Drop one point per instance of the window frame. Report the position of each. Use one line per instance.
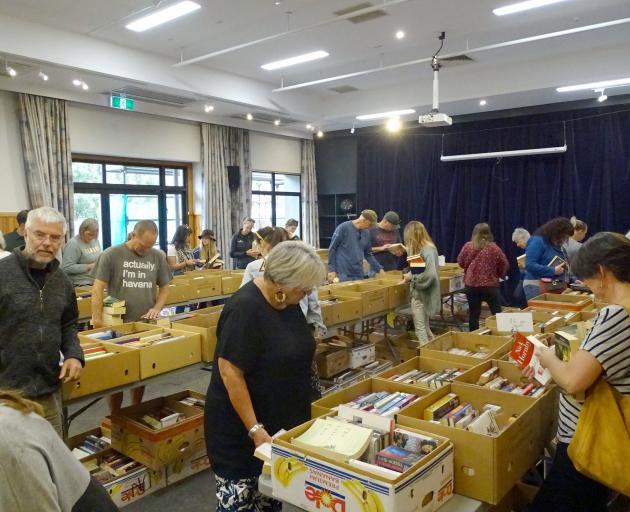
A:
(161, 190)
(273, 194)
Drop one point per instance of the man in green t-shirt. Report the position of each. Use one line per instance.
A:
(132, 272)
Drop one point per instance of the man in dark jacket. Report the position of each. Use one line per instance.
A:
(15, 239)
(38, 316)
(241, 248)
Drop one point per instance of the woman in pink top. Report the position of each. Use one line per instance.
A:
(484, 263)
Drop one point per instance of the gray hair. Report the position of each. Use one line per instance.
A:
(520, 234)
(88, 225)
(3, 244)
(46, 215)
(294, 265)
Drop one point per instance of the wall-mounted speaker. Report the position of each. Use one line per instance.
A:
(234, 176)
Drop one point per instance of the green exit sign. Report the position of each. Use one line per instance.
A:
(121, 103)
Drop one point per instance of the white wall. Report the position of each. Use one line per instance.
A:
(273, 153)
(13, 194)
(98, 131)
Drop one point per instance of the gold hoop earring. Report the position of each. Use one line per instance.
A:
(280, 297)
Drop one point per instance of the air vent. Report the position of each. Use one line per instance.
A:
(154, 97)
(361, 18)
(264, 117)
(343, 89)
(456, 60)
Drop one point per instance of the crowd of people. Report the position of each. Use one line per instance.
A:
(271, 322)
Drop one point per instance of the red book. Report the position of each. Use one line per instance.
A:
(524, 354)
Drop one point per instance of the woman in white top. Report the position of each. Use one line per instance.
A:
(603, 264)
(3, 253)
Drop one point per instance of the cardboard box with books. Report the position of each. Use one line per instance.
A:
(424, 372)
(383, 398)
(331, 360)
(126, 480)
(204, 285)
(338, 310)
(179, 290)
(108, 333)
(230, 283)
(542, 320)
(451, 280)
(561, 302)
(499, 438)
(206, 326)
(374, 297)
(582, 316)
(397, 293)
(107, 366)
(89, 443)
(159, 432)
(466, 348)
(186, 466)
(324, 464)
(161, 349)
(84, 301)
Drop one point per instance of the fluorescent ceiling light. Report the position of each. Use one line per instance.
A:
(292, 61)
(383, 115)
(606, 84)
(400, 34)
(163, 16)
(504, 154)
(483, 103)
(523, 6)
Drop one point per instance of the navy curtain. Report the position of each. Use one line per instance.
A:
(591, 180)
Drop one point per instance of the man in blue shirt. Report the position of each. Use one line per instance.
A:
(350, 244)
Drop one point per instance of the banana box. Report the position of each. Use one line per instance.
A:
(374, 297)
(316, 483)
(156, 448)
(206, 326)
(544, 321)
(557, 301)
(466, 347)
(185, 467)
(397, 292)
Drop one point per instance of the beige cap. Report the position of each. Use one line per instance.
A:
(370, 215)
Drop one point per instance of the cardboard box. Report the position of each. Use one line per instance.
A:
(84, 301)
(164, 357)
(74, 441)
(421, 363)
(361, 354)
(317, 482)
(451, 281)
(325, 404)
(397, 294)
(374, 298)
(403, 347)
(204, 285)
(179, 290)
(331, 360)
(492, 346)
(487, 467)
(123, 367)
(582, 316)
(544, 321)
(156, 448)
(344, 310)
(186, 467)
(206, 326)
(208, 310)
(560, 302)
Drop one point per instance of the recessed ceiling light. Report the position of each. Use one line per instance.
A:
(393, 125)
(84, 86)
(595, 85)
(523, 6)
(12, 72)
(400, 34)
(277, 122)
(292, 61)
(384, 115)
(277, 3)
(249, 116)
(43, 76)
(483, 103)
(309, 126)
(163, 16)
(320, 134)
(208, 108)
(76, 82)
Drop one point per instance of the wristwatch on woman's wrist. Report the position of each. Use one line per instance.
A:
(254, 429)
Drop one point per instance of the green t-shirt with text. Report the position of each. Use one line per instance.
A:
(133, 278)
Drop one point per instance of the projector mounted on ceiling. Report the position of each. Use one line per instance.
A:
(435, 117)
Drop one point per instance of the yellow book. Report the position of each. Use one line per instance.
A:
(442, 407)
(335, 439)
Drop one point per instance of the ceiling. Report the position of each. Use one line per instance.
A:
(66, 37)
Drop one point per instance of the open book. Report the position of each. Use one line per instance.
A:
(335, 439)
(394, 248)
(213, 262)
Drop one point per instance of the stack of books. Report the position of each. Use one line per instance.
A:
(147, 341)
(95, 353)
(113, 311)
(383, 403)
(193, 402)
(468, 353)
(451, 412)
(492, 380)
(91, 445)
(161, 418)
(105, 335)
(432, 380)
(112, 467)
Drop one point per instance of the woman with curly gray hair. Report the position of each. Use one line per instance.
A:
(261, 378)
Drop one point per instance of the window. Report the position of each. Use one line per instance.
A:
(275, 199)
(118, 195)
